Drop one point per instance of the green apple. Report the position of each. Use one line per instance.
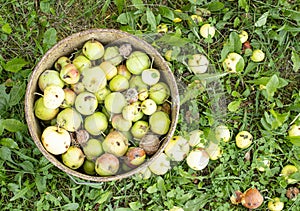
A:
(222, 133)
(213, 150)
(107, 165)
(73, 157)
(96, 123)
(78, 87)
(197, 159)
(118, 83)
(137, 62)
(207, 30)
(121, 124)
(243, 139)
(109, 69)
(69, 119)
(101, 94)
(61, 61)
(139, 129)
(287, 171)
(69, 100)
(113, 55)
(275, 204)
(93, 79)
(159, 92)
(89, 167)
(122, 70)
(115, 102)
(160, 165)
(294, 130)
(198, 63)
(257, 55)
(177, 149)
(139, 115)
(81, 62)
(93, 49)
(92, 149)
(42, 112)
(53, 96)
(86, 103)
(143, 94)
(243, 36)
(115, 143)
(159, 123)
(135, 156)
(148, 106)
(69, 74)
(150, 76)
(50, 77)
(234, 62)
(56, 140)
(129, 112)
(196, 139)
(137, 82)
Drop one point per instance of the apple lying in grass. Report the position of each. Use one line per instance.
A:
(196, 139)
(69, 74)
(234, 62)
(42, 112)
(73, 157)
(115, 143)
(69, 119)
(93, 49)
(243, 35)
(50, 77)
(197, 159)
(243, 139)
(198, 63)
(207, 30)
(56, 140)
(275, 204)
(93, 79)
(213, 150)
(222, 133)
(96, 123)
(107, 165)
(294, 130)
(287, 171)
(92, 149)
(257, 55)
(53, 96)
(177, 149)
(160, 165)
(137, 62)
(144, 173)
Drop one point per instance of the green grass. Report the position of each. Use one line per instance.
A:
(29, 28)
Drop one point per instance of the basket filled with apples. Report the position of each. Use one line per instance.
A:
(102, 105)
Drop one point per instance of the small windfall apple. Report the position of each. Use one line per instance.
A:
(160, 165)
(73, 157)
(115, 143)
(234, 62)
(96, 123)
(107, 165)
(50, 77)
(86, 103)
(198, 63)
(94, 79)
(137, 62)
(81, 62)
(69, 74)
(53, 96)
(93, 49)
(69, 119)
(42, 112)
(177, 149)
(207, 30)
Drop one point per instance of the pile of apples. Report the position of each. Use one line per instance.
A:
(104, 110)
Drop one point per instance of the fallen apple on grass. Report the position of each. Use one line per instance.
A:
(198, 63)
(207, 30)
(160, 165)
(233, 63)
(197, 159)
(177, 149)
(257, 55)
(243, 139)
(275, 204)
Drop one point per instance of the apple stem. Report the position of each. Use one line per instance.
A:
(36, 93)
(295, 119)
(152, 60)
(103, 134)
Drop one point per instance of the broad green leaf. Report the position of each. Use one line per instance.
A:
(4, 98)
(262, 20)
(136, 205)
(13, 125)
(15, 65)
(198, 203)
(50, 37)
(22, 192)
(296, 61)
(152, 189)
(235, 42)
(173, 40)
(294, 140)
(41, 183)
(27, 166)
(166, 12)
(234, 105)
(120, 5)
(9, 142)
(5, 154)
(70, 206)
(272, 86)
(16, 94)
(45, 6)
(151, 19)
(244, 4)
(123, 18)
(139, 4)
(215, 6)
(161, 186)
(6, 28)
(265, 80)
(278, 119)
(105, 197)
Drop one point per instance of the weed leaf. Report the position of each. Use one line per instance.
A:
(50, 38)
(271, 87)
(6, 28)
(41, 183)
(151, 19)
(5, 154)
(70, 206)
(215, 6)
(243, 4)
(13, 125)
(105, 197)
(262, 20)
(15, 65)
(138, 4)
(120, 5)
(234, 105)
(4, 97)
(166, 12)
(22, 192)
(9, 142)
(296, 61)
(136, 205)
(16, 94)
